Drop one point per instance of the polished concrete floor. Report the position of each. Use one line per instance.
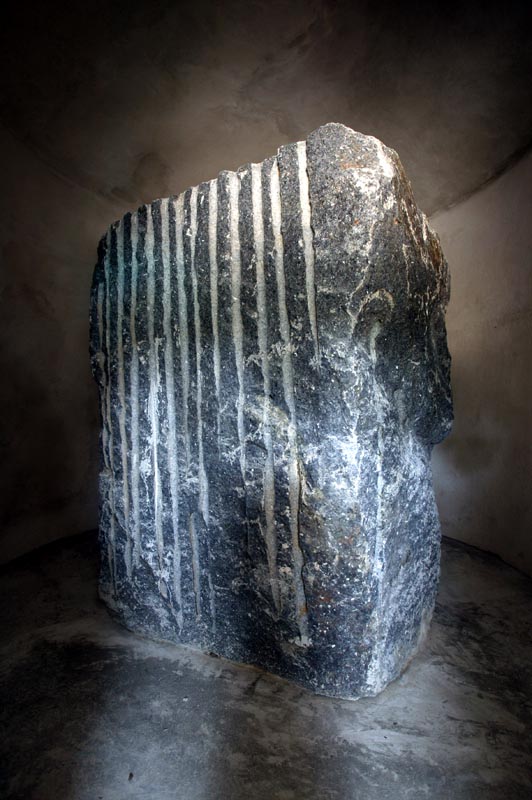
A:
(92, 712)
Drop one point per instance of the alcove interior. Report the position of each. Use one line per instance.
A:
(106, 106)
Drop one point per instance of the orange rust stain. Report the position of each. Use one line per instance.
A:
(350, 165)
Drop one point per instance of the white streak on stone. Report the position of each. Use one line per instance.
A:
(122, 391)
(373, 336)
(183, 326)
(111, 548)
(195, 562)
(262, 332)
(203, 485)
(154, 386)
(294, 477)
(374, 676)
(103, 412)
(379, 294)
(308, 244)
(236, 312)
(103, 393)
(213, 265)
(134, 394)
(212, 602)
(406, 257)
(173, 471)
(385, 162)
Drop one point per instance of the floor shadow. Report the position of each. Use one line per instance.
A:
(93, 712)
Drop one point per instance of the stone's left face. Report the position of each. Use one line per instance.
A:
(271, 355)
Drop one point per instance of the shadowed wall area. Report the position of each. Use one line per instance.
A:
(104, 106)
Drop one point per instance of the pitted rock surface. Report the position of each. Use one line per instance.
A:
(271, 357)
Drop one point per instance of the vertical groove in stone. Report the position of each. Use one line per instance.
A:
(262, 334)
(236, 312)
(378, 551)
(172, 455)
(308, 244)
(379, 541)
(196, 572)
(203, 485)
(111, 548)
(103, 394)
(134, 393)
(212, 600)
(294, 477)
(103, 412)
(213, 264)
(153, 343)
(183, 325)
(122, 393)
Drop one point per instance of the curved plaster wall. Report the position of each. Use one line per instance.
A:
(483, 472)
(120, 103)
(49, 228)
(48, 231)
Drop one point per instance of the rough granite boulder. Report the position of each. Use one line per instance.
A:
(271, 357)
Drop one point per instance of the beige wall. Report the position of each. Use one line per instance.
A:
(49, 229)
(483, 472)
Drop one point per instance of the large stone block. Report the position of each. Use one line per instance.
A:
(271, 357)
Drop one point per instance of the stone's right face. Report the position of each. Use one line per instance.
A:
(427, 367)
(398, 325)
(438, 380)
(382, 280)
(428, 291)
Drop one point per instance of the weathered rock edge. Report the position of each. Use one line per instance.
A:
(271, 358)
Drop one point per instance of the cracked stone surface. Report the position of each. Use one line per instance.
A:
(271, 357)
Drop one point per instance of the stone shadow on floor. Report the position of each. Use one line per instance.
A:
(93, 712)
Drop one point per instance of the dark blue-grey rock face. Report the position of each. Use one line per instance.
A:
(271, 356)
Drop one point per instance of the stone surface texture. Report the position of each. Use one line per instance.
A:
(271, 356)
